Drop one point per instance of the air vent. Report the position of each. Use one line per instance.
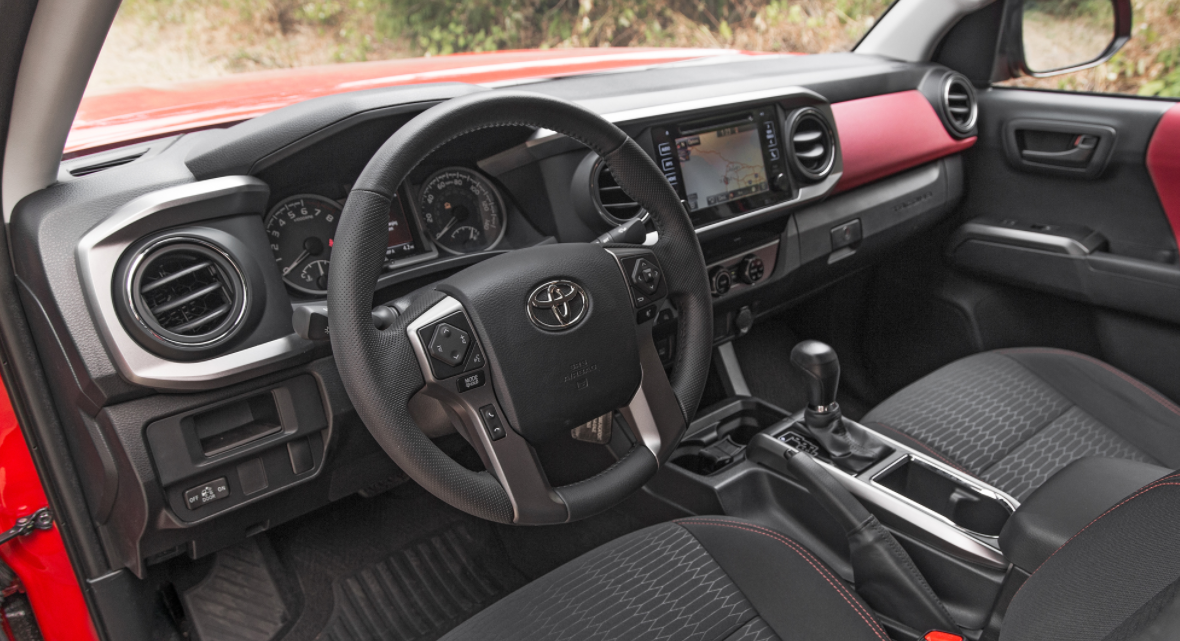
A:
(812, 148)
(186, 292)
(613, 203)
(107, 162)
(958, 101)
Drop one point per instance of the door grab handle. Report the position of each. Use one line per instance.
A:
(1080, 154)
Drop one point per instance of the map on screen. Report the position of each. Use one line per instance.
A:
(722, 165)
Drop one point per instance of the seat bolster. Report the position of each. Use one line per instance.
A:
(1139, 414)
(794, 592)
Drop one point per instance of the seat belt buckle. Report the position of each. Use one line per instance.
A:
(939, 635)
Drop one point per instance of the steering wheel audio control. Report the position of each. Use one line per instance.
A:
(645, 276)
(449, 345)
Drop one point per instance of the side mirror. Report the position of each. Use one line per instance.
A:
(1051, 37)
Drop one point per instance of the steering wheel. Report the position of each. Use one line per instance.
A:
(527, 345)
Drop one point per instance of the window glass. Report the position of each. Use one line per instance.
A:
(154, 42)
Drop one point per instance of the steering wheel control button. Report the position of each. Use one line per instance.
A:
(646, 314)
(206, 494)
(476, 360)
(456, 339)
(645, 276)
(471, 381)
(449, 345)
(491, 420)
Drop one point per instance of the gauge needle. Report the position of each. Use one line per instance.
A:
(296, 262)
(446, 229)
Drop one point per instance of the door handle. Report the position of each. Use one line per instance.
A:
(1036, 145)
(1076, 156)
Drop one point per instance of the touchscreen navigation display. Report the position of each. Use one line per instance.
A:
(721, 165)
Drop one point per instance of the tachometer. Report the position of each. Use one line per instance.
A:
(462, 211)
(300, 230)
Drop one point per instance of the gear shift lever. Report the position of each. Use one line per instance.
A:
(819, 364)
(847, 444)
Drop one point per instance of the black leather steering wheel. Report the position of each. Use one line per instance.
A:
(565, 333)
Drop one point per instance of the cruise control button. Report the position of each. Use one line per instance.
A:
(449, 345)
(491, 421)
(207, 493)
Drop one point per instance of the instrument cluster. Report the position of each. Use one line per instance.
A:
(456, 210)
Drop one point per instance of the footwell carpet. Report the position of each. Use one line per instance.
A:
(422, 590)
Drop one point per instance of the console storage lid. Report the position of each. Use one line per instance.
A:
(1072, 498)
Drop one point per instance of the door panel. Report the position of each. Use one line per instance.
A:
(1119, 202)
(1092, 216)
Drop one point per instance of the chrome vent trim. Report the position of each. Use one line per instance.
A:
(959, 104)
(614, 204)
(186, 292)
(811, 146)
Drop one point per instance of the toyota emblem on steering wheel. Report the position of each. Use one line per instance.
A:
(557, 305)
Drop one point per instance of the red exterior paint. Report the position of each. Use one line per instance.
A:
(39, 559)
(105, 120)
(1163, 163)
(882, 135)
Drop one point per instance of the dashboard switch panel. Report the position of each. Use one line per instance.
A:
(743, 270)
(207, 493)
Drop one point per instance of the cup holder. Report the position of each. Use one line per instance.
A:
(719, 437)
(939, 491)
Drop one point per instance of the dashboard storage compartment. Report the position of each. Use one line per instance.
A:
(946, 495)
(239, 449)
(235, 424)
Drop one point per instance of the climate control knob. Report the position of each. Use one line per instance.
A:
(751, 269)
(720, 281)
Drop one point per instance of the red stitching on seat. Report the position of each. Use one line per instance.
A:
(1144, 490)
(923, 445)
(1156, 396)
(820, 569)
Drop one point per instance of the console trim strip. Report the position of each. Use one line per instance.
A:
(99, 252)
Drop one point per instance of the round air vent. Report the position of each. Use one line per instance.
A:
(959, 105)
(811, 146)
(609, 198)
(186, 292)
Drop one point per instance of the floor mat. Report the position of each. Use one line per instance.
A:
(238, 600)
(423, 590)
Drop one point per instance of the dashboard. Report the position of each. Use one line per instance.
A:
(165, 291)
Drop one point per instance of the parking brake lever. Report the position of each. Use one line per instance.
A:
(883, 573)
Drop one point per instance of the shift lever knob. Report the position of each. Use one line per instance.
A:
(821, 368)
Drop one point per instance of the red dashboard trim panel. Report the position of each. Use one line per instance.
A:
(40, 558)
(1163, 163)
(882, 135)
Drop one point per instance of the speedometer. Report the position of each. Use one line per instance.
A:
(462, 211)
(300, 230)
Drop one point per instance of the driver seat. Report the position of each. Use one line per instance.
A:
(723, 579)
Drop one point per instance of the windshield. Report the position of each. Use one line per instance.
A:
(158, 42)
